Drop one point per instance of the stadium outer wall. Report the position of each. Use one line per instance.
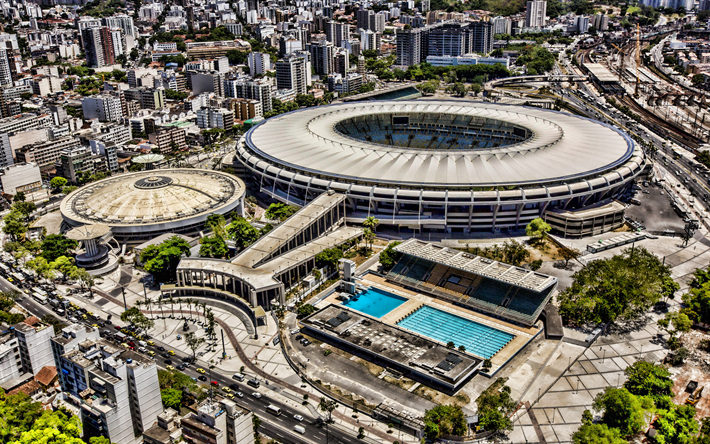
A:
(412, 209)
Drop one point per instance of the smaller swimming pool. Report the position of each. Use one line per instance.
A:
(375, 302)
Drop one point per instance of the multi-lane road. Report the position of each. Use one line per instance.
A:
(279, 427)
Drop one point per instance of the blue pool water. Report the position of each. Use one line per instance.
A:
(375, 302)
(478, 339)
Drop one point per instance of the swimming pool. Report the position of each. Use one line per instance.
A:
(443, 326)
(375, 302)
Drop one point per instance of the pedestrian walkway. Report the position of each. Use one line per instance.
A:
(553, 412)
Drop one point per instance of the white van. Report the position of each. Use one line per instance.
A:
(300, 429)
(142, 343)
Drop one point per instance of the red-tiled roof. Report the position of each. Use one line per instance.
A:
(46, 375)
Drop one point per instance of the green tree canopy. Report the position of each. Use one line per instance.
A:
(172, 398)
(621, 410)
(329, 257)
(647, 379)
(242, 232)
(161, 260)
(620, 287)
(697, 300)
(676, 425)
(280, 211)
(537, 229)
(56, 245)
(14, 225)
(58, 183)
(134, 316)
(213, 246)
(444, 420)
(597, 434)
(389, 257)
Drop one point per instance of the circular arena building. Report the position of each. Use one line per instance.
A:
(141, 206)
(443, 165)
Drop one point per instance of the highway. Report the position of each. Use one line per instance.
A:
(276, 427)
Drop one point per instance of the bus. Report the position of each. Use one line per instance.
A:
(40, 291)
(273, 409)
(5, 269)
(39, 298)
(19, 276)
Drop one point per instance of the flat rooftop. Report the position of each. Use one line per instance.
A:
(391, 343)
(601, 72)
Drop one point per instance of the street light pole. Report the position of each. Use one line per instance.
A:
(123, 292)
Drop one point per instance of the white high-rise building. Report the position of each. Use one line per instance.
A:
(292, 72)
(124, 399)
(535, 13)
(123, 21)
(104, 107)
(35, 346)
(259, 63)
(7, 67)
(219, 422)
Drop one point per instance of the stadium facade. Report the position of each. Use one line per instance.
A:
(441, 165)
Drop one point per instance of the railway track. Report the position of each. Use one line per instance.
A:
(665, 128)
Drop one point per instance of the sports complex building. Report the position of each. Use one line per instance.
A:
(140, 206)
(443, 165)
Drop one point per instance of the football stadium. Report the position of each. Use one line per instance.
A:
(445, 165)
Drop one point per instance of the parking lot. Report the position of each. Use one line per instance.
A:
(655, 211)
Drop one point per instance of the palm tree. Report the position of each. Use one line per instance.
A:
(149, 303)
(371, 222)
(189, 306)
(172, 308)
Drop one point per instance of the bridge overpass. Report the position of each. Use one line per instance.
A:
(532, 79)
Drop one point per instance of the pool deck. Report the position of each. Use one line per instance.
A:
(415, 300)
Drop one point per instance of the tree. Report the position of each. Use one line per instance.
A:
(280, 211)
(56, 245)
(161, 260)
(134, 317)
(621, 410)
(371, 222)
(57, 183)
(674, 323)
(676, 425)
(698, 79)
(648, 379)
(193, 342)
(64, 265)
(306, 310)
(328, 258)
(213, 246)
(444, 420)
(14, 225)
(19, 197)
(697, 300)
(369, 237)
(537, 229)
(24, 208)
(568, 254)
(493, 420)
(172, 398)
(99, 440)
(389, 257)
(242, 232)
(597, 434)
(327, 406)
(620, 287)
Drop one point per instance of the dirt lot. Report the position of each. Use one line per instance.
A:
(696, 368)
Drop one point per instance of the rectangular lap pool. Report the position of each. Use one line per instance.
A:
(437, 324)
(375, 302)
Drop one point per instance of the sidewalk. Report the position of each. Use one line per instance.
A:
(276, 383)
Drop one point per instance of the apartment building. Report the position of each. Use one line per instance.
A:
(221, 118)
(292, 72)
(218, 421)
(116, 389)
(25, 348)
(46, 153)
(168, 136)
(105, 107)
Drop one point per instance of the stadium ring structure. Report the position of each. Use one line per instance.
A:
(140, 206)
(441, 165)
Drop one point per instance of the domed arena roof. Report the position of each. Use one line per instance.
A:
(153, 201)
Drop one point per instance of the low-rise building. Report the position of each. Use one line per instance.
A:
(24, 177)
(168, 137)
(215, 118)
(46, 153)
